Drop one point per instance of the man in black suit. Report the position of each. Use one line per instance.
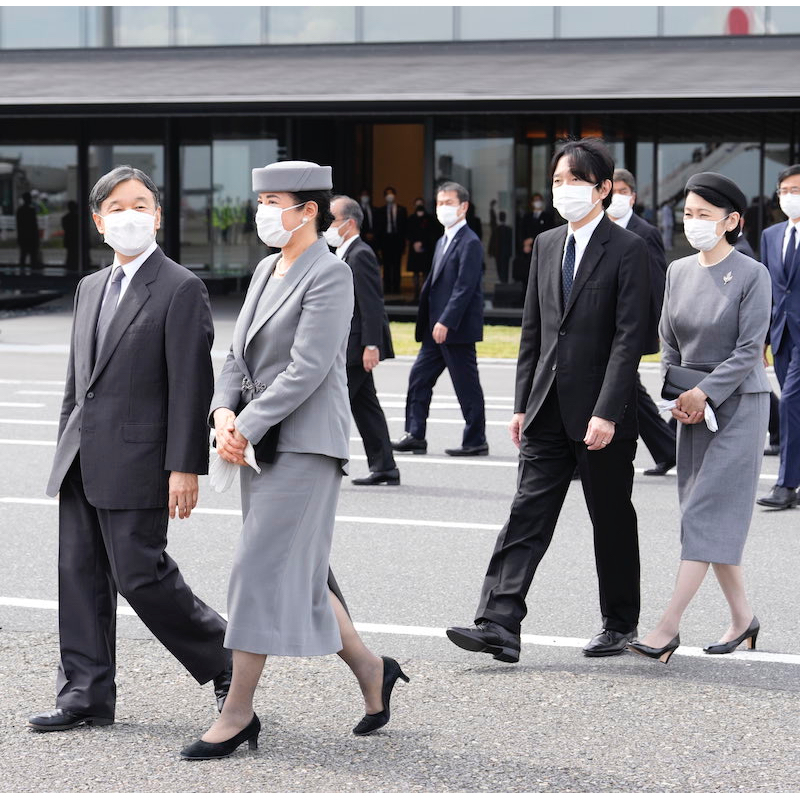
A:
(657, 435)
(449, 322)
(132, 439)
(390, 231)
(575, 403)
(535, 221)
(28, 232)
(368, 225)
(370, 341)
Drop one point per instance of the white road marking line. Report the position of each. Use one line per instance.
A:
(28, 422)
(446, 397)
(444, 406)
(36, 349)
(27, 382)
(21, 405)
(31, 442)
(33, 391)
(439, 633)
(459, 421)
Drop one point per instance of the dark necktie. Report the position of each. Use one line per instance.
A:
(568, 269)
(791, 249)
(438, 257)
(108, 308)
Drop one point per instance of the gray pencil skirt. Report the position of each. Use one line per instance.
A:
(278, 602)
(718, 479)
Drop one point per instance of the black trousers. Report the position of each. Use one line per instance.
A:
(370, 419)
(102, 552)
(774, 420)
(462, 364)
(657, 435)
(546, 463)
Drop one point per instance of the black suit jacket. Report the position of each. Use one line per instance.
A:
(395, 241)
(658, 272)
(453, 295)
(138, 409)
(531, 226)
(370, 323)
(592, 347)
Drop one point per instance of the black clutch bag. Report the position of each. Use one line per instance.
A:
(268, 445)
(679, 380)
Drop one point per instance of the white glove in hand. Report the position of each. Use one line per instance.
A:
(221, 472)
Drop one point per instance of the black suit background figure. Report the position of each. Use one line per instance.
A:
(28, 232)
(132, 439)
(390, 232)
(575, 403)
(423, 230)
(70, 225)
(657, 434)
(368, 223)
(503, 243)
(369, 343)
(536, 220)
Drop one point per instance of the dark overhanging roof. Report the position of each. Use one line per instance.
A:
(631, 72)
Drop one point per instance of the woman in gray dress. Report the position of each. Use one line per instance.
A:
(714, 319)
(283, 390)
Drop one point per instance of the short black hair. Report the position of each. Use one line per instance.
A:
(590, 161)
(389, 189)
(788, 172)
(452, 186)
(718, 201)
(125, 172)
(322, 197)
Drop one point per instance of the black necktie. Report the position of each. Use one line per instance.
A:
(108, 308)
(568, 269)
(791, 249)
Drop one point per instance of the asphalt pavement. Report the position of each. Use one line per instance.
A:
(410, 560)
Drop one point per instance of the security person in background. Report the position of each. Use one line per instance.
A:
(658, 436)
(370, 340)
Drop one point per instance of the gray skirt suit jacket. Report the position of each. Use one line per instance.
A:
(715, 319)
(287, 362)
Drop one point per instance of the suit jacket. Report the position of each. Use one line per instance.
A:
(370, 323)
(137, 410)
(453, 294)
(785, 289)
(530, 226)
(395, 241)
(591, 348)
(307, 323)
(658, 271)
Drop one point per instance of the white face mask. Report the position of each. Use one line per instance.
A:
(269, 224)
(333, 237)
(538, 205)
(573, 202)
(790, 205)
(702, 233)
(620, 205)
(129, 232)
(389, 198)
(364, 199)
(447, 215)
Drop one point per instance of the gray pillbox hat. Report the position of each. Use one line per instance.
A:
(292, 176)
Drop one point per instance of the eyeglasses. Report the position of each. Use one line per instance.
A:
(794, 190)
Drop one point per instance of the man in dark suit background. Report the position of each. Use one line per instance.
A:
(368, 225)
(779, 253)
(534, 221)
(28, 232)
(657, 435)
(449, 322)
(390, 231)
(133, 437)
(370, 341)
(583, 328)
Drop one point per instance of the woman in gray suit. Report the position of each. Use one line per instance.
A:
(714, 319)
(283, 390)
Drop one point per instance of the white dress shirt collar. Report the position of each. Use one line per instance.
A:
(623, 221)
(345, 246)
(582, 236)
(450, 232)
(788, 232)
(130, 269)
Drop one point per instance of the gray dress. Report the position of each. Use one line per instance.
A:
(287, 363)
(715, 319)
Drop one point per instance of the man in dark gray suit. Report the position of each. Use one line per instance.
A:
(369, 343)
(132, 440)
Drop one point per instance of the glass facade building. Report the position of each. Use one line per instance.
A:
(401, 96)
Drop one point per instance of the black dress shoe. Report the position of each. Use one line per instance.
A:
(662, 468)
(772, 450)
(408, 444)
(204, 751)
(390, 477)
(728, 647)
(663, 654)
(222, 685)
(609, 643)
(779, 497)
(487, 637)
(61, 719)
(478, 450)
(371, 722)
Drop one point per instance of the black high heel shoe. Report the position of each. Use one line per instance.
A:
(728, 647)
(371, 722)
(203, 751)
(661, 653)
